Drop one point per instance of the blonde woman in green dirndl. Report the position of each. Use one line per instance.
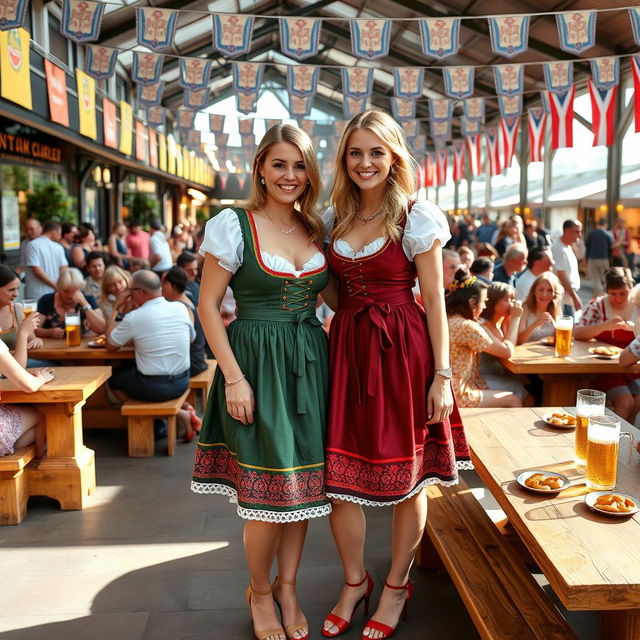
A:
(262, 438)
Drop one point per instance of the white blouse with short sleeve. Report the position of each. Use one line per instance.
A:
(426, 223)
(223, 239)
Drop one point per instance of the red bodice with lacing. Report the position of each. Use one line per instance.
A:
(379, 448)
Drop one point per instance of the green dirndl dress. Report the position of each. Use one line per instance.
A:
(273, 468)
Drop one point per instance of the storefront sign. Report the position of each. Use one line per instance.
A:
(162, 151)
(126, 128)
(15, 78)
(17, 145)
(110, 124)
(57, 92)
(153, 147)
(141, 142)
(10, 221)
(87, 104)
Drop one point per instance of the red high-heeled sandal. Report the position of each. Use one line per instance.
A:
(385, 628)
(343, 624)
(196, 422)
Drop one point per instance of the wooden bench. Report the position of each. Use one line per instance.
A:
(14, 485)
(140, 417)
(499, 592)
(202, 383)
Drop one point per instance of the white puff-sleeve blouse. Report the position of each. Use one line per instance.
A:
(223, 239)
(425, 224)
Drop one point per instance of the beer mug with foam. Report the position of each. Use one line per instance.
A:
(602, 451)
(72, 328)
(29, 305)
(564, 333)
(589, 402)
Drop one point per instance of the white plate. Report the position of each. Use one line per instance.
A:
(548, 341)
(94, 345)
(604, 356)
(526, 474)
(546, 418)
(591, 498)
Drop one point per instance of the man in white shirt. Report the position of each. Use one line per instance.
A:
(159, 250)
(540, 259)
(32, 229)
(566, 267)
(161, 332)
(45, 259)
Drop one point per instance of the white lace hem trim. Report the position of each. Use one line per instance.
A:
(261, 514)
(464, 465)
(372, 503)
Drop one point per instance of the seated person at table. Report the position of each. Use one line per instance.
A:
(115, 282)
(541, 308)
(501, 319)
(95, 268)
(189, 263)
(608, 318)
(465, 300)
(11, 315)
(67, 299)
(22, 424)
(482, 267)
(161, 332)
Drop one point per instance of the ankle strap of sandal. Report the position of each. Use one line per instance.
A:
(283, 581)
(259, 593)
(358, 584)
(392, 586)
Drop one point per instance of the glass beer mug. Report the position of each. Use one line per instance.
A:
(564, 333)
(29, 305)
(602, 451)
(589, 402)
(72, 328)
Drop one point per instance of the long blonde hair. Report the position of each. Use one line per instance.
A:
(555, 305)
(345, 195)
(307, 201)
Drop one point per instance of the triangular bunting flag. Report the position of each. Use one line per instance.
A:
(196, 98)
(441, 109)
(100, 62)
(458, 81)
(634, 15)
(576, 30)
(509, 35)
(509, 78)
(216, 123)
(357, 82)
(441, 165)
(300, 37)
(561, 109)
(458, 160)
(353, 106)
(474, 108)
(246, 102)
(146, 67)
(81, 20)
(302, 80)
(156, 116)
(247, 76)
(194, 73)
(470, 127)
(510, 128)
(510, 105)
(605, 72)
(232, 33)
(403, 109)
(155, 27)
(558, 76)
(493, 150)
(635, 67)
(440, 36)
(370, 38)
(537, 122)
(474, 150)
(12, 14)
(408, 82)
(603, 113)
(150, 94)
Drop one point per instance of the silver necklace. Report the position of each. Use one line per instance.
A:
(286, 232)
(368, 219)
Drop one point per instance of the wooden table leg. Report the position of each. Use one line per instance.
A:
(559, 390)
(67, 473)
(141, 440)
(621, 625)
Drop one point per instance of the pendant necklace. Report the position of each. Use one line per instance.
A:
(286, 232)
(369, 218)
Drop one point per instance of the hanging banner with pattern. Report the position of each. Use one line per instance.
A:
(156, 116)
(86, 87)
(155, 27)
(402, 109)
(634, 15)
(458, 160)
(153, 147)
(440, 129)
(57, 93)
(509, 35)
(474, 108)
(440, 36)
(474, 151)
(410, 128)
(247, 76)
(245, 126)
(222, 139)
(408, 82)
(576, 30)
(458, 81)
(493, 150)
(81, 20)
(420, 145)
(126, 128)
(186, 119)
(510, 105)
(302, 80)
(605, 72)
(370, 38)
(216, 123)
(558, 76)
(300, 37)
(470, 126)
(509, 78)
(603, 113)
(232, 34)
(146, 67)
(561, 109)
(196, 99)
(100, 62)
(150, 94)
(537, 122)
(441, 109)
(308, 126)
(353, 106)
(510, 128)
(357, 82)
(12, 14)
(194, 73)
(109, 124)
(246, 102)
(442, 155)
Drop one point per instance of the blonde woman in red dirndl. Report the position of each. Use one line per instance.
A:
(393, 427)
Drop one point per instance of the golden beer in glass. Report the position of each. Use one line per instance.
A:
(29, 305)
(564, 333)
(589, 402)
(602, 451)
(72, 329)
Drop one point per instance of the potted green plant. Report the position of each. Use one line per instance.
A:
(50, 201)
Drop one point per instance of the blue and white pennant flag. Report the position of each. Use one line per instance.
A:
(357, 82)
(458, 81)
(300, 37)
(302, 80)
(370, 38)
(509, 35)
(440, 36)
(81, 20)
(576, 30)
(247, 76)
(155, 27)
(194, 73)
(408, 82)
(100, 62)
(509, 78)
(558, 76)
(232, 34)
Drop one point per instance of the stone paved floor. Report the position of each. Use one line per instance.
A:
(148, 560)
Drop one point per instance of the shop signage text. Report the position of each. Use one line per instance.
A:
(29, 148)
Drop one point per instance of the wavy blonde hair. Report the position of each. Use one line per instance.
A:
(345, 195)
(307, 202)
(555, 305)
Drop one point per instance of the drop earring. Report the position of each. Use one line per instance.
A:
(261, 179)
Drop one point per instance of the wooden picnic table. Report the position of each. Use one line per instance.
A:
(562, 377)
(56, 349)
(590, 560)
(67, 472)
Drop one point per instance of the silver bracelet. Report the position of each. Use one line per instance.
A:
(229, 384)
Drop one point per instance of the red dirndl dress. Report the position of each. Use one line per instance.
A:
(380, 450)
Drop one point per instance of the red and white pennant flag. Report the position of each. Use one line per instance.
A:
(510, 128)
(458, 160)
(475, 153)
(561, 105)
(493, 150)
(441, 166)
(635, 66)
(429, 172)
(603, 113)
(537, 122)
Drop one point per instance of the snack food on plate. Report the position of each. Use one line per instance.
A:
(615, 503)
(100, 340)
(606, 351)
(540, 481)
(562, 419)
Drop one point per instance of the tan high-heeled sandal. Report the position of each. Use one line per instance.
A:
(262, 634)
(290, 629)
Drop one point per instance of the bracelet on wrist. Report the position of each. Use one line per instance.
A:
(232, 382)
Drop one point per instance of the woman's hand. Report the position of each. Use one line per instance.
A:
(45, 375)
(545, 318)
(439, 400)
(57, 332)
(30, 323)
(240, 401)
(35, 343)
(515, 309)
